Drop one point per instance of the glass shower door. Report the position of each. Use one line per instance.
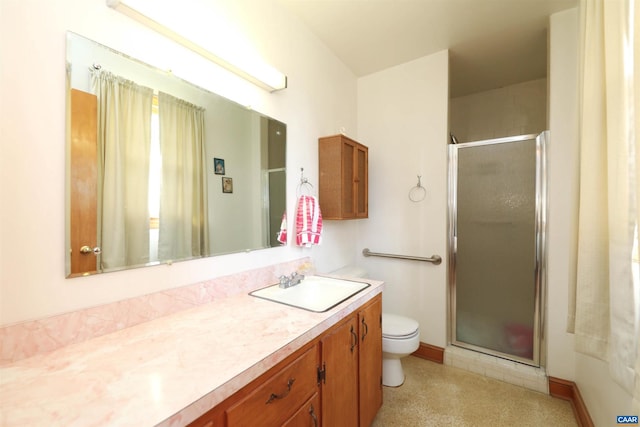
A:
(496, 241)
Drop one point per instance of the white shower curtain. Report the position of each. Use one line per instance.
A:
(124, 138)
(183, 214)
(603, 311)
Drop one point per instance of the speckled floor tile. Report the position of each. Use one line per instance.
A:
(440, 395)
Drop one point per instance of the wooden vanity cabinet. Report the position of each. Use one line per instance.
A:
(280, 397)
(307, 415)
(344, 178)
(340, 378)
(370, 361)
(352, 361)
(335, 380)
(284, 395)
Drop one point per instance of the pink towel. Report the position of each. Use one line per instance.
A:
(308, 222)
(282, 234)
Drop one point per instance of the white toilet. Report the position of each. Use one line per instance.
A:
(400, 337)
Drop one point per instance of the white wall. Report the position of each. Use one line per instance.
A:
(402, 118)
(320, 99)
(604, 398)
(232, 134)
(563, 156)
(519, 109)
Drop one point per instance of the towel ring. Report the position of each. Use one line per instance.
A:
(417, 193)
(305, 187)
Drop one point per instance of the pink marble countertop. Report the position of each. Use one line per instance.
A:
(166, 371)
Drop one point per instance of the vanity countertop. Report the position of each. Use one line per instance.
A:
(166, 371)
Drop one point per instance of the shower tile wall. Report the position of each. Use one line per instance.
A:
(518, 109)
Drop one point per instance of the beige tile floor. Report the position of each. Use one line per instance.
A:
(441, 395)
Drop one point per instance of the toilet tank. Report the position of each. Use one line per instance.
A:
(351, 271)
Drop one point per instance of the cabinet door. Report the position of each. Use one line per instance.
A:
(308, 415)
(361, 182)
(349, 188)
(340, 387)
(370, 325)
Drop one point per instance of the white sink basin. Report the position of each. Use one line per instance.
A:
(314, 293)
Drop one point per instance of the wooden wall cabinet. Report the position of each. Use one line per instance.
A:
(334, 381)
(344, 178)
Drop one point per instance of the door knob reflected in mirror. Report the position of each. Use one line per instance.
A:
(88, 250)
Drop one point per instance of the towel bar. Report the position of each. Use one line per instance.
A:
(435, 259)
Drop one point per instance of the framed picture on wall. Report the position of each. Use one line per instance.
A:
(227, 184)
(218, 166)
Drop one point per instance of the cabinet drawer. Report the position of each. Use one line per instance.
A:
(280, 396)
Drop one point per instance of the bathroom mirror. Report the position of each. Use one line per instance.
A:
(160, 170)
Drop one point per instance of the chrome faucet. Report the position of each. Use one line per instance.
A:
(289, 281)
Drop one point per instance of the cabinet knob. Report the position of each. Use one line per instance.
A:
(89, 250)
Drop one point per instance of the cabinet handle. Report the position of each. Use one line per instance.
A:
(355, 339)
(283, 394)
(313, 416)
(366, 329)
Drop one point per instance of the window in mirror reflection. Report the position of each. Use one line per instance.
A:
(124, 151)
(150, 197)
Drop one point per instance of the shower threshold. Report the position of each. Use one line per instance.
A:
(496, 367)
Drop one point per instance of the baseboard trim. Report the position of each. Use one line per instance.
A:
(568, 390)
(430, 352)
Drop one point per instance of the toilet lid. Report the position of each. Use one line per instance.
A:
(398, 326)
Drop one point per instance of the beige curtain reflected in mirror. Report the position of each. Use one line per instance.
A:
(124, 136)
(183, 179)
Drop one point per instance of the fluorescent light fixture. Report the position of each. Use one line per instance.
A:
(251, 69)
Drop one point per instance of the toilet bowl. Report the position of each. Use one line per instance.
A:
(400, 337)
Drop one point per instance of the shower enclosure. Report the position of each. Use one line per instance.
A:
(497, 204)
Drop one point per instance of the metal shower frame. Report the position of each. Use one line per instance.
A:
(539, 341)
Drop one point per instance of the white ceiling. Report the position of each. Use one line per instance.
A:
(492, 43)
